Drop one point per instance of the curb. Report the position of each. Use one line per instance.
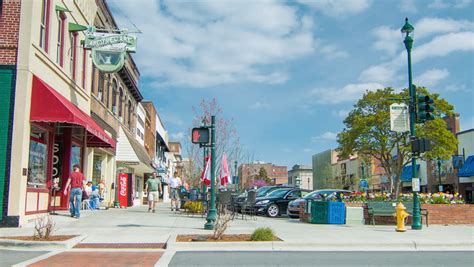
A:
(334, 246)
(41, 245)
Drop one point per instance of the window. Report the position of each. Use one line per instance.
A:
(130, 108)
(97, 169)
(38, 158)
(114, 97)
(100, 86)
(72, 55)
(44, 24)
(60, 43)
(84, 66)
(120, 102)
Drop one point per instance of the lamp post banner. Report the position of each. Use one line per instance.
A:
(399, 118)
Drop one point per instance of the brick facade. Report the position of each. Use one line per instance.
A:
(9, 30)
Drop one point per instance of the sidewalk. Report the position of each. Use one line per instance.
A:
(136, 225)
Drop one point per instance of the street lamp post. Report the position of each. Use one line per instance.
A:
(212, 214)
(236, 175)
(440, 186)
(309, 188)
(407, 29)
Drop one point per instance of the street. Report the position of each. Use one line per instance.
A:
(329, 258)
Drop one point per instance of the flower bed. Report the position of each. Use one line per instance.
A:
(225, 238)
(435, 198)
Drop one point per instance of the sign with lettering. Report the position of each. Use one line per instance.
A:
(123, 189)
(109, 49)
(399, 118)
(57, 164)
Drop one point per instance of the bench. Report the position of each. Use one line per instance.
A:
(387, 209)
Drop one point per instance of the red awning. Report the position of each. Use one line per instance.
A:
(47, 105)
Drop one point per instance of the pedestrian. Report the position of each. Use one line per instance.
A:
(175, 183)
(152, 187)
(76, 183)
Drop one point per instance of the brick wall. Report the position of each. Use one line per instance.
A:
(9, 30)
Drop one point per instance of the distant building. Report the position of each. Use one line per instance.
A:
(301, 176)
(322, 169)
(248, 173)
(466, 171)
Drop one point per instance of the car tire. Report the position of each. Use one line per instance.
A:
(273, 211)
(293, 216)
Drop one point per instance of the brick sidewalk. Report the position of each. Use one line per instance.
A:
(93, 259)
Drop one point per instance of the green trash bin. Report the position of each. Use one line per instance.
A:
(319, 212)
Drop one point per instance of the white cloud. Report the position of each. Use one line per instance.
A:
(327, 136)
(431, 77)
(379, 73)
(387, 39)
(338, 8)
(342, 113)
(332, 52)
(260, 105)
(408, 6)
(456, 88)
(441, 4)
(177, 136)
(171, 119)
(443, 45)
(308, 150)
(430, 26)
(209, 43)
(348, 93)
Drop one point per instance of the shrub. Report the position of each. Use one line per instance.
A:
(44, 228)
(263, 234)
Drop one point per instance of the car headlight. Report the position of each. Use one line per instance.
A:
(263, 202)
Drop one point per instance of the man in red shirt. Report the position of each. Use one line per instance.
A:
(76, 181)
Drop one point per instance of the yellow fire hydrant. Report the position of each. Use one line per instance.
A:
(401, 214)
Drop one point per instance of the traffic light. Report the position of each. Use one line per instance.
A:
(425, 109)
(420, 145)
(200, 135)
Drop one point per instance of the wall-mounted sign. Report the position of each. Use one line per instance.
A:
(109, 49)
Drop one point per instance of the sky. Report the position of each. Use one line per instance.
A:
(288, 72)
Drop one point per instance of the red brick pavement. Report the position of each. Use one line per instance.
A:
(103, 259)
(121, 245)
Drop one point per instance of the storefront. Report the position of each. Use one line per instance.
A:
(60, 134)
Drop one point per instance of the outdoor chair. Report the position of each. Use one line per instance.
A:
(224, 200)
(86, 204)
(248, 208)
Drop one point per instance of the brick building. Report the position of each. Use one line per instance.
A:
(248, 173)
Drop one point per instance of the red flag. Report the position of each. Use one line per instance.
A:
(206, 174)
(225, 174)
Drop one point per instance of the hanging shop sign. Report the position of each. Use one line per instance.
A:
(109, 49)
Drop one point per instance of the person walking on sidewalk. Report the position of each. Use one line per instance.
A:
(152, 187)
(76, 183)
(175, 183)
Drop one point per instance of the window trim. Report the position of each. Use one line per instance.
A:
(44, 25)
(73, 57)
(60, 44)
(84, 68)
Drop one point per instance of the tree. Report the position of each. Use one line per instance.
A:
(367, 132)
(227, 140)
(263, 175)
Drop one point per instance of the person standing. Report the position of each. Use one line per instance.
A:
(152, 187)
(76, 183)
(175, 183)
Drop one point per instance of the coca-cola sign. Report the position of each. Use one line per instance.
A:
(123, 189)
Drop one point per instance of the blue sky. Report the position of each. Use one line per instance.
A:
(289, 71)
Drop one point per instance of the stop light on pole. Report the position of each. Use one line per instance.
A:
(425, 109)
(200, 135)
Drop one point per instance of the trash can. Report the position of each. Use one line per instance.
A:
(325, 212)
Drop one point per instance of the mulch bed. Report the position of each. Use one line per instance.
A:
(31, 238)
(225, 238)
(121, 245)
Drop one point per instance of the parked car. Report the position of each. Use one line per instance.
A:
(323, 195)
(261, 192)
(276, 202)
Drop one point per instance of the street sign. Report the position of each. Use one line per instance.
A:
(415, 184)
(399, 118)
(200, 135)
(363, 183)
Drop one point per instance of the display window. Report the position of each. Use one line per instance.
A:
(38, 158)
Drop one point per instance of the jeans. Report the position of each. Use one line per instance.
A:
(75, 201)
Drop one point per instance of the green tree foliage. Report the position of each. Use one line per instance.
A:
(263, 175)
(367, 132)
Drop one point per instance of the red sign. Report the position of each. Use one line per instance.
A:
(123, 189)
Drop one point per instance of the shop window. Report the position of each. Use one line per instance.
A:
(44, 24)
(72, 55)
(38, 158)
(97, 169)
(76, 156)
(60, 41)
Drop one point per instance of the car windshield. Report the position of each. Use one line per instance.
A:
(318, 194)
(262, 191)
(278, 192)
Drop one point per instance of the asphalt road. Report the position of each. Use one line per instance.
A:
(11, 257)
(344, 258)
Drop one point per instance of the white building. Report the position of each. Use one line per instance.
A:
(301, 176)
